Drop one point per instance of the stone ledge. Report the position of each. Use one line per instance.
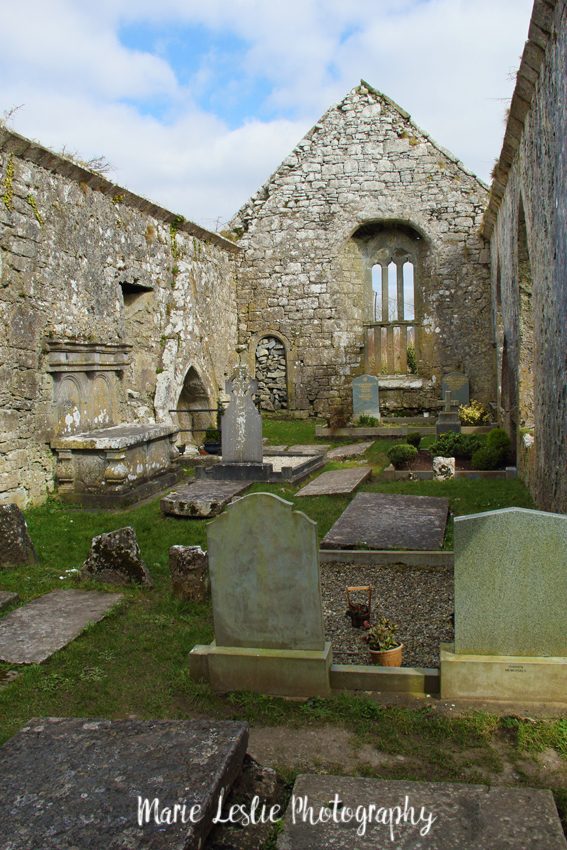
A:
(418, 681)
(407, 557)
(113, 438)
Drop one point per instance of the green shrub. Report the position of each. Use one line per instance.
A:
(499, 439)
(414, 439)
(401, 455)
(455, 445)
(369, 421)
(212, 435)
(411, 359)
(474, 413)
(488, 457)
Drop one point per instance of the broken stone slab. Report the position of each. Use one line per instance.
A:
(352, 450)
(189, 568)
(336, 481)
(383, 521)
(75, 784)
(204, 498)
(115, 558)
(35, 631)
(6, 598)
(445, 816)
(443, 468)
(16, 547)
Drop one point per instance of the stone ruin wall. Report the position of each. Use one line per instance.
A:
(84, 260)
(532, 174)
(303, 276)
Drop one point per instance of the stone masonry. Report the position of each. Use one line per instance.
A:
(526, 222)
(364, 183)
(106, 302)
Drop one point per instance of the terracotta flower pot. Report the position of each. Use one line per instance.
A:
(387, 657)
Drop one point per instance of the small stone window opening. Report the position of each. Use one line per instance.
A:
(132, 293)
(271, 374)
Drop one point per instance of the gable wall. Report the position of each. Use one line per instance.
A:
(303, 276)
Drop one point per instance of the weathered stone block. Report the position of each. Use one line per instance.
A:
(443, 468)
(16, 547)
(189, 568)
(115, 558)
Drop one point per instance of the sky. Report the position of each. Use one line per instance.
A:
(195, 104)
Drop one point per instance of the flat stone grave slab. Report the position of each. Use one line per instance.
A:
(269, 448)
(35, 631)
(308, 449)
(204, 498)
(75, 784)
(445, 816)
(6, 598)
(381, 521)
(336, 481)
(352, 450)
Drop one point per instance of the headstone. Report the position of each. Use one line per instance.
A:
(365, 397)
(264, 570)
(352, 450)
(383, 521)
(203, 498)
(448, 418)
(70, 783)
(345, 812)
(511, 583)
(443, 468)
(336, 481)
(189, 568)
(16, 547)
(115, 558)
(241, 431)
(457, 383)
(510, 608)
(35, 631)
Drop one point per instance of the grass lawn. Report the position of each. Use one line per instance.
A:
(134, 662)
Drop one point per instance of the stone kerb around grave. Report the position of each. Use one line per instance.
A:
(510, 608)
(264, 572)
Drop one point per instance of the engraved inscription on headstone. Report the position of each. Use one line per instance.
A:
(241, 423)
(365, 396)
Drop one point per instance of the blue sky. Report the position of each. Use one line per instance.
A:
(195, 105)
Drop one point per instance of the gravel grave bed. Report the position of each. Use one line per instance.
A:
(418, 599)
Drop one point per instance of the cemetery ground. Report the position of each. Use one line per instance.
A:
(134, 662)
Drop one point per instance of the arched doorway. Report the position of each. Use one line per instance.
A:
(193, 414)
(272, 373)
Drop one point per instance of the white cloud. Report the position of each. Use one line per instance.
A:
(446, 61)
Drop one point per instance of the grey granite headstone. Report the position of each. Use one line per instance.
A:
(448, 419)
(35, 631)
(203, 498)
(511, 583)
(365, 397)
(445, 816)
(16, 547)
(115, 558)
(74, 784)
(264, 569)
(241, 431)
(382, 521)
(336, 481)
(457, 383)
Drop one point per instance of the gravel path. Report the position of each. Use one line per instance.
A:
(418, 599)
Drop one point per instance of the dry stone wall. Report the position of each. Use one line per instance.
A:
(309, 238)
(528, 210)
(97, 284)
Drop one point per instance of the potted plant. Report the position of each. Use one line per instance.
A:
(383, 645)
(212, 441)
